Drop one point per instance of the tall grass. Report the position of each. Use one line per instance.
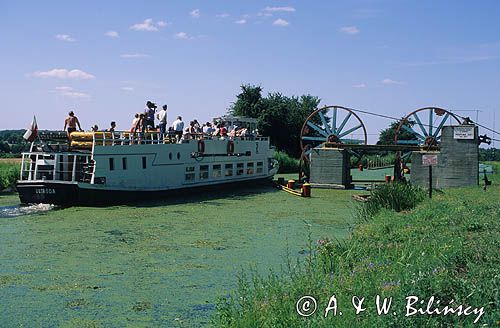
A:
(396, 196)
(447, 248)
(9, 173)
(287, 163)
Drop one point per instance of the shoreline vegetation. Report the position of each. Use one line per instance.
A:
(445, 249)
(9, 173)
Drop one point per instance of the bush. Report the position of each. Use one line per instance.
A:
(9, 173)
(396, 196)
(287, 164)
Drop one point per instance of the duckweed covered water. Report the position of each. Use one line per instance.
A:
(152, 264)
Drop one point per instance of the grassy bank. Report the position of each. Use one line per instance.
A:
(447, 247)
(9, 173)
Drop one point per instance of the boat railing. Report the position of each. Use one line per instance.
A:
(69, 167)
(90, 140)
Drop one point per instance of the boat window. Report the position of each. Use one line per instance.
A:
(228, 172)
(216, 171)
(249, 168)
(178, 155)
(260, 167)
(239, 169)
(203, 172)
(111, 164)
(170, 156)
(143, 162)
(124, 163)
(190, 174)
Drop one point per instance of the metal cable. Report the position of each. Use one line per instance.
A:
(427, 125)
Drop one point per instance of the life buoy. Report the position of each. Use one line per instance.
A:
(230, 147)
(201, 146)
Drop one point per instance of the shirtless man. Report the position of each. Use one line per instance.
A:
(71, 122)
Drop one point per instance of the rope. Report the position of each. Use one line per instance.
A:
(427, 125)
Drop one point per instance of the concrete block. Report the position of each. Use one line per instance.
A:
(330, 166)
(458, 162)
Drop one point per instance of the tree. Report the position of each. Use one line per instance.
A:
(4, 147)
(387, 135)
(279, 117)
(248, 102)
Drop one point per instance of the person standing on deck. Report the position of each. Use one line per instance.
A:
(112, 127)
(71, 122)
(178, 127)
(162, 118)
(149, 115)
(140, 128)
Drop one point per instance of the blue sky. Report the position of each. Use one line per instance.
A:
(105, 59)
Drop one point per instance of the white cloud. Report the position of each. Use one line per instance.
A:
(195, 13)
(361, 85)
(148, 25)
(111, 34)
(65, 37)
(265, 14)
(181, 35)
(241, 21)
(64, 88)
(389, 82)
(62, 73)
(350, 30)
(127, 89)
(282, 9)
(223, 15)
(162, 24)
(281, 22)
(70, 92)
(136, 55)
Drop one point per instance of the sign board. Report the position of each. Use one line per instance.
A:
(429, 160)
(463, 132)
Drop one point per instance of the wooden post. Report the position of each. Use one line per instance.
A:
(430, 181)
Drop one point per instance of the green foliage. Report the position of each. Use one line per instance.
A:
(387, 135)
(280, 117)
(489, 154)
(9, 173)
(12, 136)
(395, 196)
(248, 102)
(12, 142)
(367, 159)
(287, 164)
(447, 248)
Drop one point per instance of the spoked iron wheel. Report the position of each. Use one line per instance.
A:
(424, 125)
(332, 125)
(429, 122)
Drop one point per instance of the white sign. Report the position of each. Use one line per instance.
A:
(429, 160)
(463, 132)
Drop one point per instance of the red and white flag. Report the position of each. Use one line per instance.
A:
(32, 132)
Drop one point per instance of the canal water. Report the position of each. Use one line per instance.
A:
(162, 263)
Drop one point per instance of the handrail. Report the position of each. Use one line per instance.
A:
(61, 167)
(149, 137)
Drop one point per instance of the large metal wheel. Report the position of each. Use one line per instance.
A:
(331, 124)
(429, 122)
(424, 126)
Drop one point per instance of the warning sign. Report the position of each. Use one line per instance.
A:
(429, 160)
(463, 132)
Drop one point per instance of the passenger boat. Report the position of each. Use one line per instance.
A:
(97, 168)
